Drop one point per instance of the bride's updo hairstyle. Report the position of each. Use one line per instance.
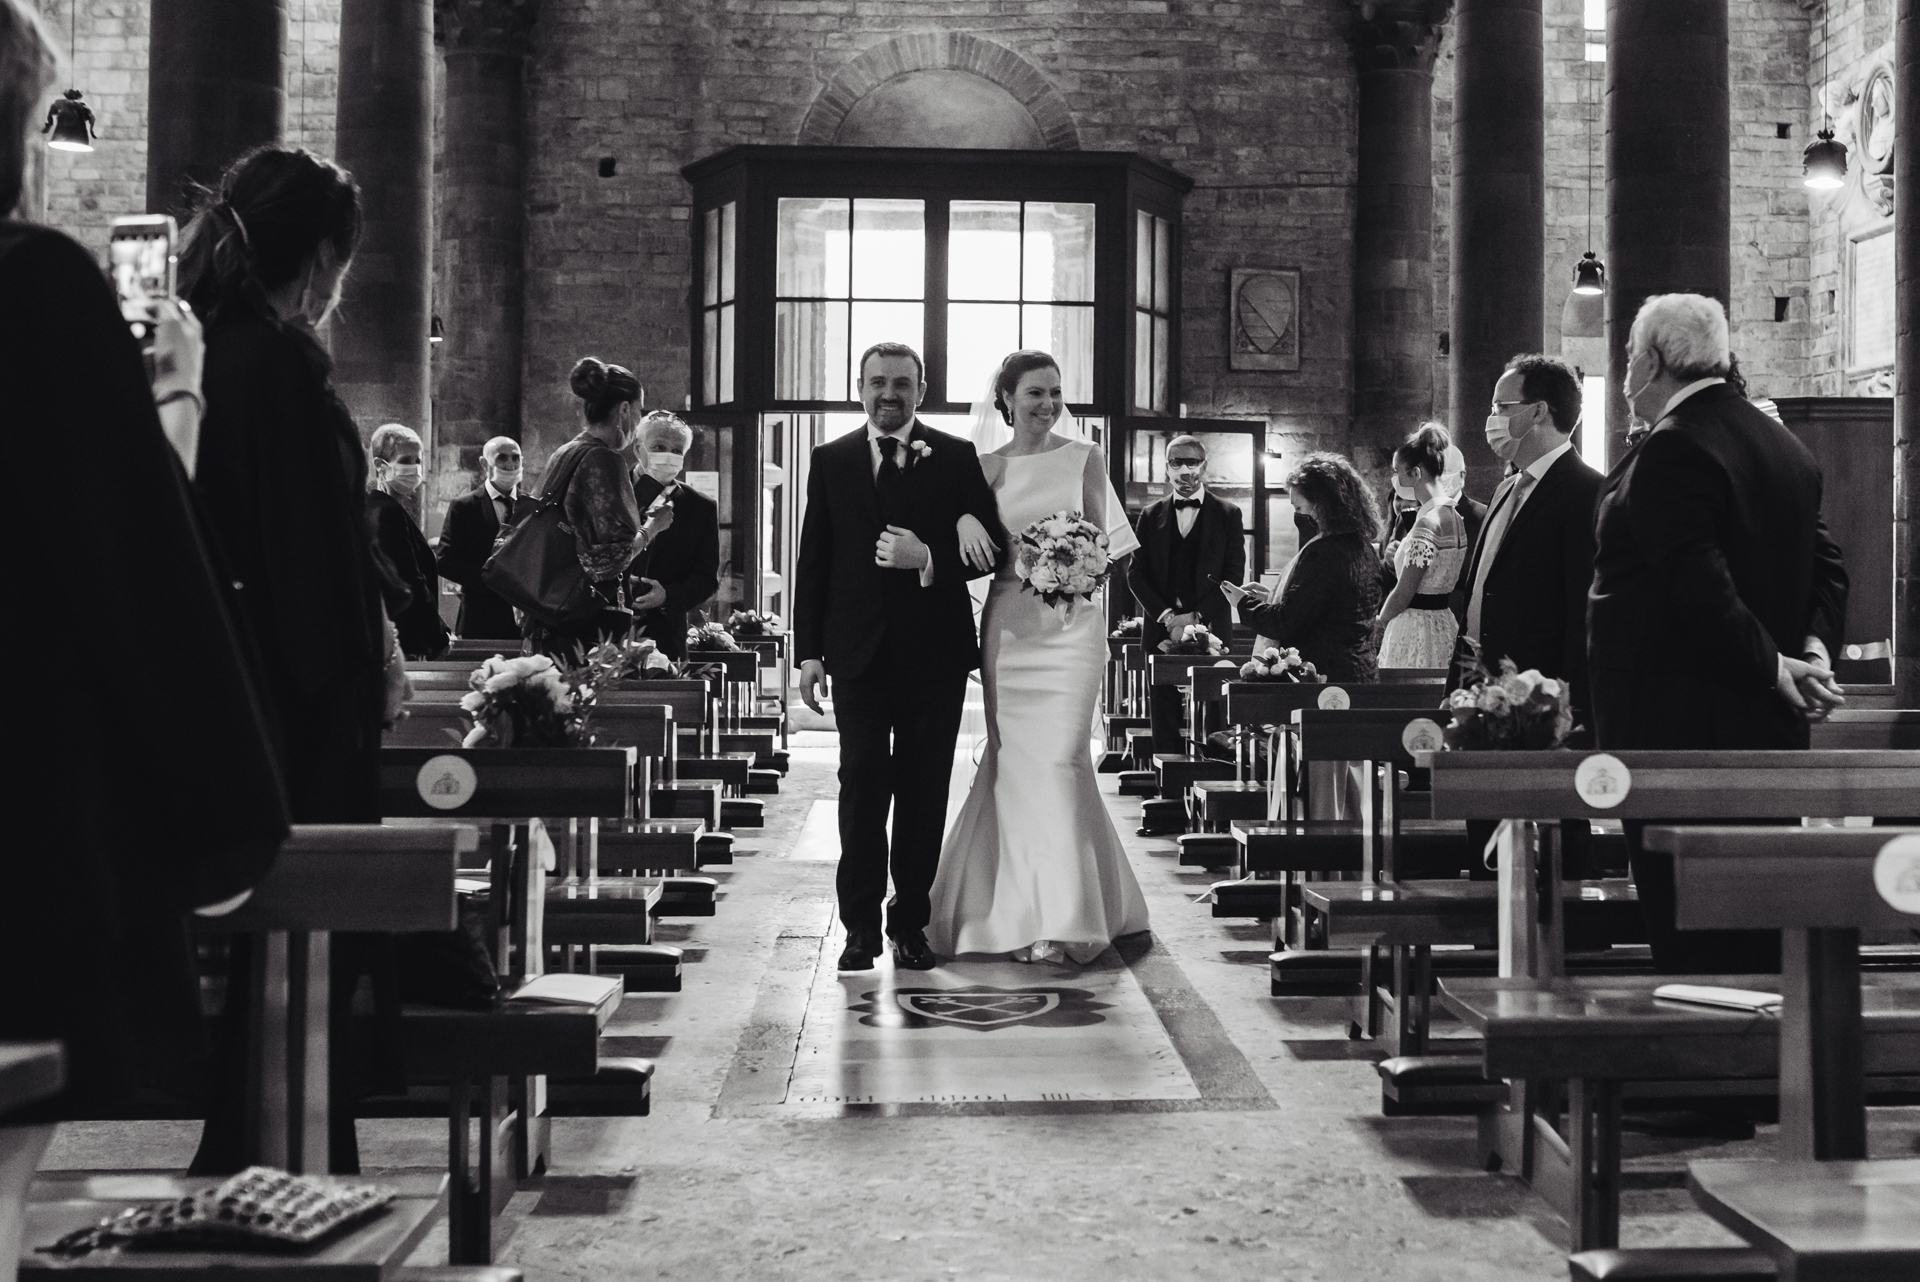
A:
(603, 388)
(1426, 449)
(1016, 367)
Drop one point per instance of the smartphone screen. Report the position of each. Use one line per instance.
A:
(140, 257)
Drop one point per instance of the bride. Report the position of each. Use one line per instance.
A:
(1033, 867)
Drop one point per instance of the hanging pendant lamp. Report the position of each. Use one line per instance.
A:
(69, 124)
(1590, 275)
(1824, 163)
(1584, 313)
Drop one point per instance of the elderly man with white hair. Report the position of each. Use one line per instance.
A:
(680, 570)
(1717, 594)
(473, 526)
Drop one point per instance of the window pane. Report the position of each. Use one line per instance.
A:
(1162, 265)
(1058, 263)
(1160, 362)
(1066, 332)
(709, 358)
(810, 351)
(979, 336)
(726, 355)
(889, 248)
(711, 291)
(1142, 258)
(1143, 359)
(983, 249)
(884, 323)
(811, 254)
(729, 249)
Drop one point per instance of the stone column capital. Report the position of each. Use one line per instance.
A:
(1391, 35)
(491, 26)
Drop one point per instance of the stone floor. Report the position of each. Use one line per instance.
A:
(1156, 1115)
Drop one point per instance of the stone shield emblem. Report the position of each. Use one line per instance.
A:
(980, 1007)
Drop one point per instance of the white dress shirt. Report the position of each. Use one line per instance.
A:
(1673, 402)
(509, 499)
(902, 434)
(1186, 516)
(1536, 470)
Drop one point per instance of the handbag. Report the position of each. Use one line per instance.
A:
(535, 567)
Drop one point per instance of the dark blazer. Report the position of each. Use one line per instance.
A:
(684, 559)
(1326, 608)
(1535, 609)
(467, 537)
(1712, 561)
(398, 539)
(844, 606)
(1223, 554)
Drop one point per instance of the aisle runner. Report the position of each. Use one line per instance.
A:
(982, 1032)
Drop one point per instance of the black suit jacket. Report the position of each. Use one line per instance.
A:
(1712, 561)
(1223, 554)
(466, 541)
(684, 559)
(844, 605)
(398, 539)
(1535, 608)
(1326, 607)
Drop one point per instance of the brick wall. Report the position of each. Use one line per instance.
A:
(86, 191)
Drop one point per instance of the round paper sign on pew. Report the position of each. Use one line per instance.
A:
(1896, 874)
(1603, 781)
(1334, 699)
(1422, 735)
(446, 782)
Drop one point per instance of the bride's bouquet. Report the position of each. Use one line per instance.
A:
(1275, 664)
(1062, 558)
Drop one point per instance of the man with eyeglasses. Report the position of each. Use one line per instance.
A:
(473, 526)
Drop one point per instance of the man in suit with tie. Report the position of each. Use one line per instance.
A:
(1190, 543)
(474, 524)
(881, 605)
(1717, 594)
(680, 570)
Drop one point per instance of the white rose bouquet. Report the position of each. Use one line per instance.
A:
(752, 623)
(1062, 558)
(710, 636)
(1275, 664)
(1193, 638)
(1512, 709)
(523, 702)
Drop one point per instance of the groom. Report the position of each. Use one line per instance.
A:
(881, 604)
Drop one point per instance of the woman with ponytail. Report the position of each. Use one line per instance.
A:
(1417, 624)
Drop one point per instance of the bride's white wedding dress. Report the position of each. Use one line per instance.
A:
(1032, 866)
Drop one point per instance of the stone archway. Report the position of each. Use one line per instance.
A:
(940, 89)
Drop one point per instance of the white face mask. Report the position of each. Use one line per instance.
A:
(505, 478)
(1401, 489)
(664, 467)
(1500, 437)
(404, 477)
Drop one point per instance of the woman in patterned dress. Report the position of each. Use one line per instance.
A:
(1416, 623)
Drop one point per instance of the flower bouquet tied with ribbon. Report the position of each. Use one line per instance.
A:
(752, 623)
(1509, 710)
(522, 702)
(1193, 639)
(1062, 559)
(1275, 664)
(710, 636)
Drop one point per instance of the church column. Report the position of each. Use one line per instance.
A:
(482, 226)
(1668, 168)
(1499, 210)
(1394, 43)
(384, 137)
(214, 90)
(1906, 404)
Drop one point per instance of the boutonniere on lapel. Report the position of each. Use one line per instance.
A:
(920, 451)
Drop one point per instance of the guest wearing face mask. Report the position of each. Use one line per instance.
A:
(1417, 627)
(680, 570)
(396, 475)
(474, 524)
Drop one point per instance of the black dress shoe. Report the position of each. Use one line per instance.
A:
(858, 954)
(911, 952)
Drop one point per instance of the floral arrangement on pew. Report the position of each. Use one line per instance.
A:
(1275, 664)
(1062, 559)
(752, 623)
(1128, 628)
(710, 636)
(524, 702)
(1193, 639)
(631, 659)
(1510, 709)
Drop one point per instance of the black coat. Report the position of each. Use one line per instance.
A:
(845, 606)
(684, 559)
(1535, 608)
(1712, 561)
(1223, 554)
(144, 781)
(422, 633)
(467, 537)
(1327, 606)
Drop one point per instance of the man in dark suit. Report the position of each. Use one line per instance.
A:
(1717, 594)
(1190, 543)
(474, 524)
(881, 604)
(680, 569)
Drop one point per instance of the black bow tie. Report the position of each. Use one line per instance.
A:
(1179, 504)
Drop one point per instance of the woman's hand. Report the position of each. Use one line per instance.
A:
(1235, 595)
(178, 354)
(977, 548)
(658, 519)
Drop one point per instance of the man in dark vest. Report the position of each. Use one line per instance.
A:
(474, 524)
(1190, 543)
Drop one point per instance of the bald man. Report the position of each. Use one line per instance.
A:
(474, 524)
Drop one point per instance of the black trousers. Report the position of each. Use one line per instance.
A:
(1166, 711)
(898, 726)
(1692, 952)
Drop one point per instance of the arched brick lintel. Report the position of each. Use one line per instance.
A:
(946, 51)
